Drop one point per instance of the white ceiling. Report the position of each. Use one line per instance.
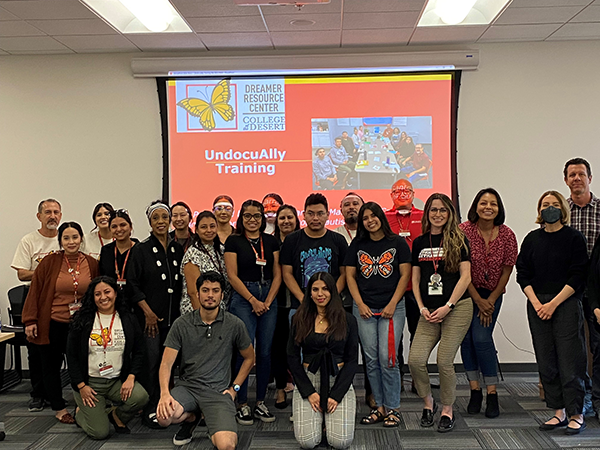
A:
(68, 26)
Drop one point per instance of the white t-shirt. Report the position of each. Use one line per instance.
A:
(114, 348)
(93, 243)
(342, 230)
(32, 249)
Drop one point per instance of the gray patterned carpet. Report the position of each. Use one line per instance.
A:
(516, 428)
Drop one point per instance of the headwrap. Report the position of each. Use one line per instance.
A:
(156, 206)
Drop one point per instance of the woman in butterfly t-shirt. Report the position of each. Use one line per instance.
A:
(441, 275)
(378, 270)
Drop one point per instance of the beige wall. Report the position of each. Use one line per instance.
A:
(80, 128)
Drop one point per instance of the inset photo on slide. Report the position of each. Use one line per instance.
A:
(371, 152)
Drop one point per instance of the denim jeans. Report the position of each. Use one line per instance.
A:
(373, 333)
(261, 328)
(477, 350)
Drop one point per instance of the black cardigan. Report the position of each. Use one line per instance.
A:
(78, 351)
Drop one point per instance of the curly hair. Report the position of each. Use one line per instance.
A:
(86, 315)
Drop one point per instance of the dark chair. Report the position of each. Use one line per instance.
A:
(16, 298)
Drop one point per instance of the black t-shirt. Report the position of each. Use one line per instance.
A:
(247, 268)
(309, 255)
(377, 267)
(423, 254)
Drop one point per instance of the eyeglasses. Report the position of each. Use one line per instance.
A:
(248, 216)
(222, 208)
(319, 214)
(402, 191)
(438, 210)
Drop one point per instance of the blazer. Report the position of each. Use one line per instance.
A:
(38, 304)
(78, 351)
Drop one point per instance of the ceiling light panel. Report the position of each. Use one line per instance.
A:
(439, 13)
(140, 16)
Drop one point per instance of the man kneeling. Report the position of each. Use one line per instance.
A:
(206, 339)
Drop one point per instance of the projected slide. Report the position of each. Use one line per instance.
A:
(246, 137)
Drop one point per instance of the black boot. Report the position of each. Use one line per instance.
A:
(491, 406)
(474, 406)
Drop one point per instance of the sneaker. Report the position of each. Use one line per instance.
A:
(36, 404)
(186, 430)
(262, 412)
(244, 415)
(151, 421)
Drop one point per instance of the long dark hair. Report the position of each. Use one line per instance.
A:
(86, 315)
(362, 233)
(239, 225)
(197, 242)
(474, 217)
(107, 206)
(304, 319)
(281, 208)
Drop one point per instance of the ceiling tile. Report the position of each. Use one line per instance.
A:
(96, 44)
(167, 41)
(18, 28)
(504, 33)
(48, 9)
(516, 16)
(541, 3)
(589, 14)
(447, 35)
(213, 8)
(73, 27)
(363, 21)
(230, 41)
(574, 31)
(30, 44)
(335, 6)
(322, 22)
(383, 5)
(5, 15)
(238, 24)
(290, 39)
(361, 38)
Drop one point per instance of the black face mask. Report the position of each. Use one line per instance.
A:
(551, 214)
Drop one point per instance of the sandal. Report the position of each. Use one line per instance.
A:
(552, 426)
(572, 431)
(67, 418)
(392, 420)
(374, 416)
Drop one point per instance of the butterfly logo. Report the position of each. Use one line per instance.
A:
(101, 339)
(370, 265)
(205, 111)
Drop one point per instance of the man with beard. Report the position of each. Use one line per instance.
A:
(349, 206)
(313, 249)
(206, 340)
(32, 248)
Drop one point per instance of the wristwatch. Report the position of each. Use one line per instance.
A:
(450, 305)
(236, 387)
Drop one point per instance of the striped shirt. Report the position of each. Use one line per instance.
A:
(587, 220)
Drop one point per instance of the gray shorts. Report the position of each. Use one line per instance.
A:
(219, 409)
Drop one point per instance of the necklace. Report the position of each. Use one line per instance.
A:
(322, 318)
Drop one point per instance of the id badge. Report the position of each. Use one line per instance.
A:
(122, 283)
(74, 307)
(105, 370)
(434, 288)
(261, 262)
(404, 234)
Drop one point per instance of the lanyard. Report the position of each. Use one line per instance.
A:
(348, 231)
(391, 342)
(262, 249)
(106, 335)
(74, 273)
(218, 263)
(101, 241)
(436, 258)
(121, 276)
(401, 221)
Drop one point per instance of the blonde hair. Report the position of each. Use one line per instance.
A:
(453, 239)
(565, 218)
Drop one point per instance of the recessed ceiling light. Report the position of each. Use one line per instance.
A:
(139, 16)
(460, 12)
(302, 22)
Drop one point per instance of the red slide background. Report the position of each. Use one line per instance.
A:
(195, 180)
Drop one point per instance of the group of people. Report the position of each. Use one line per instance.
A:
(296, 302)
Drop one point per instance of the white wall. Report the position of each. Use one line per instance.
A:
(81, 129)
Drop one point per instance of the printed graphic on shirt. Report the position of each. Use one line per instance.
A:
(431, 254)
(37, 257)
(373, 265)
(115, 341)
(314, 260)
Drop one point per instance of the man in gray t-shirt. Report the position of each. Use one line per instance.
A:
(206, 340)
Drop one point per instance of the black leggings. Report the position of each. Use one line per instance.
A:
(51, 357)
